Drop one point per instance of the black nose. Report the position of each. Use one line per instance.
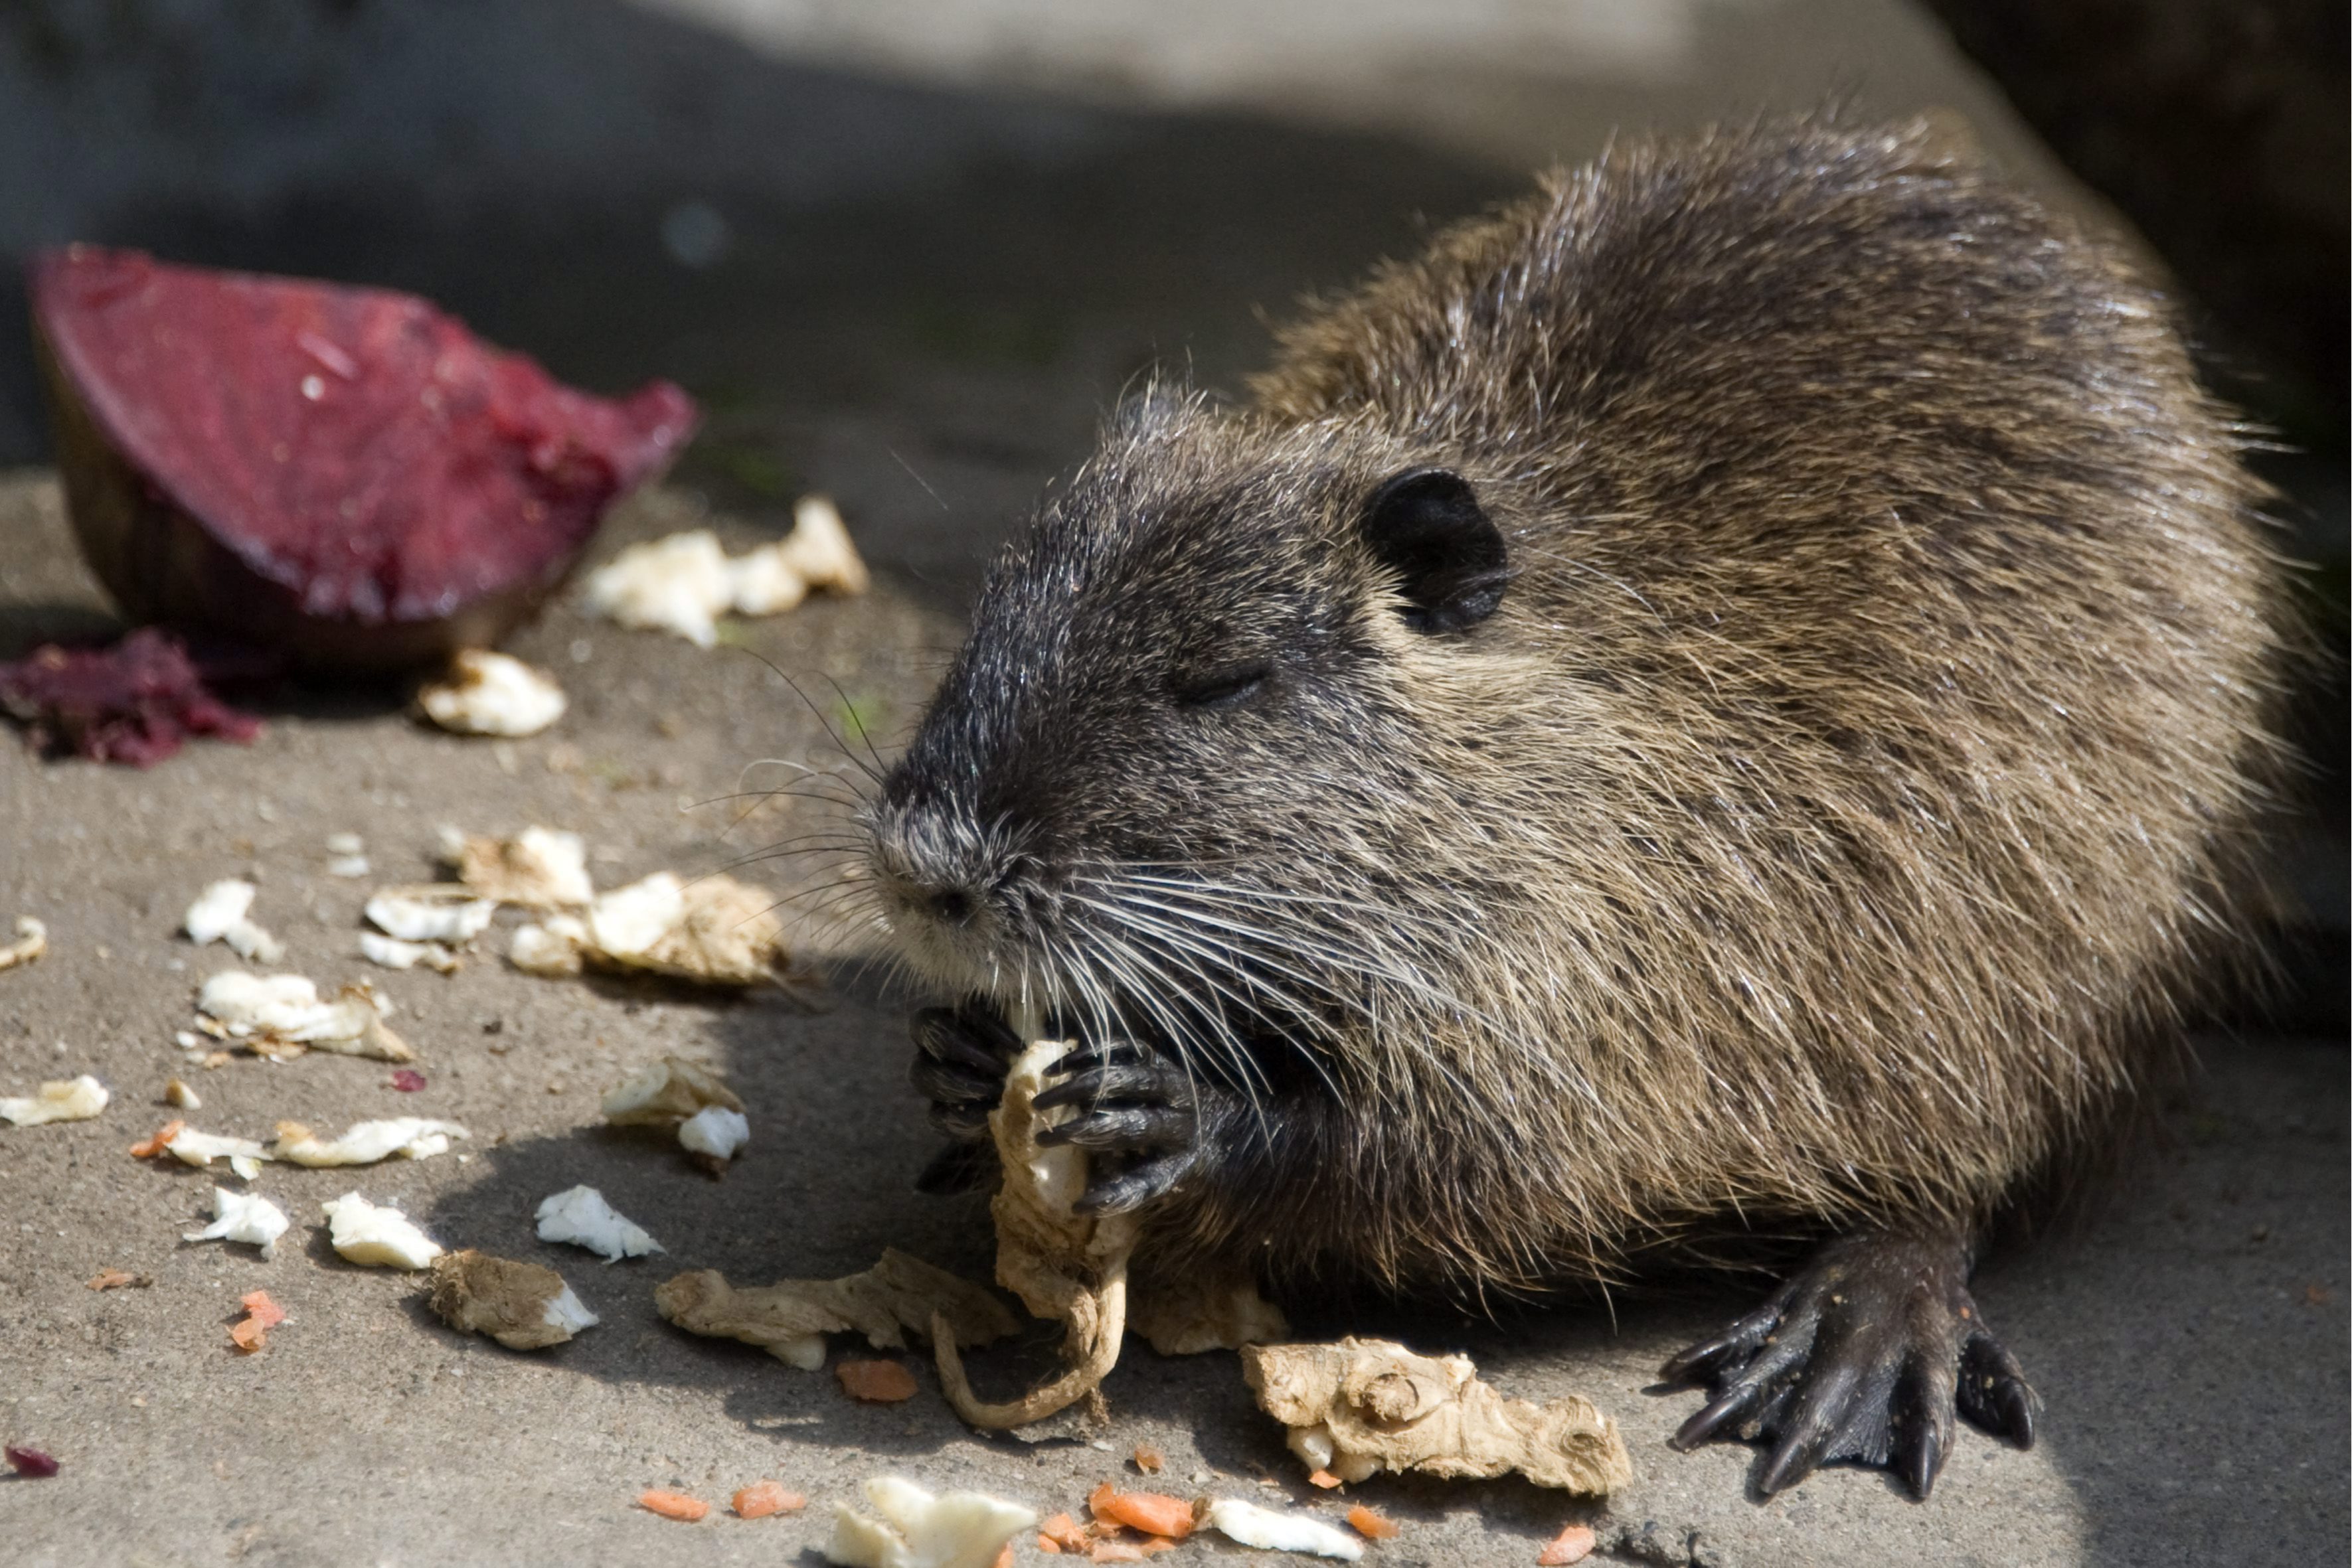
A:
(953, 905)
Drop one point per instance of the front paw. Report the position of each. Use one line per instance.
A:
(1138, 1114)
(961, 1055)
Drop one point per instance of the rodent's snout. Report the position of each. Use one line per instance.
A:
(947, 886)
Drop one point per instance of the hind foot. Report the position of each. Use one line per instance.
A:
(1863, 1358)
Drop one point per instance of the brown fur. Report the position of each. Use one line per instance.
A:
(1830, 825)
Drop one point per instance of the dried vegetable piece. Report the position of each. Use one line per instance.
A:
(761, 1499)
(1062, 1264)
(242, 1217)
(1275, 1531)
(1358, 1407)
(899, 1295)
(281, 1015)
(580, 1216)
(538, 868)
(916, 1530)
(523, 1306)
(713, 929)
(492, 694)
(161, 1142)
(60, 1100)
(376, 1234)
(251, 1333)
(876, 1382)
(135, 703)
(1370, 1523)
(366, 1143)
(32, 941)
(674, 1505)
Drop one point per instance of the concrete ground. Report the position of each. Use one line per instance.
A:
(922, 308)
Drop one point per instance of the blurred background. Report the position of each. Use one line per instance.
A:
(907, 251)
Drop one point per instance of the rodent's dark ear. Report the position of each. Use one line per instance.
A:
(1426, 525)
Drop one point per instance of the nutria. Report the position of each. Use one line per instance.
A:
(1727, 698)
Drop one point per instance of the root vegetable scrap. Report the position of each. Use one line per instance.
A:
(580, 1216)
(1371, 1524)
(1359, 1407)
(761, 1499)
(538, 868)
(376, 1234)
(523, 1306)
(673, 1505)
(135, 703)
(345, 475)
(31, 1463)
(118, 1279)
(251, 1333)
(1570, 1546)
(366, 1143)
(916, 1530)
(899, 1296)
(1062, 1264)
(876, 1382)
(281, 1015)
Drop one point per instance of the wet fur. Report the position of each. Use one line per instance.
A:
(1828, 829)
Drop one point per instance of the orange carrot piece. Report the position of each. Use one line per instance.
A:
(1325, 1479)
(251, 1333)
(155, 1146)
(1064, 1531)
(876, 1382)
(1115, 1552)
(1047, 1543)
(1570, 1546)
(1003, 1557)
(764, 1498)
(1371, 1524)
(672, 1504)
(114, 1280)
(1153, 1514)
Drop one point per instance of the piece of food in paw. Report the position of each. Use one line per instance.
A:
(60, 1099)
(485, 692)
(135, 703)
(246, 1216)
(910, 1528)
(343, 475)
(538, 868)
(1271, 1530)
(366, 1143)
(1359, 1406)
(761, 1499)
(377, 1236)
(580, 1217)
(900, 1295)
(523, 1306)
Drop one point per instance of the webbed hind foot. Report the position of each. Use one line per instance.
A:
(1863, 1358)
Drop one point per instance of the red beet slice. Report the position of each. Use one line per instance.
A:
(132, 703)
(343, 475)
(30, 1463)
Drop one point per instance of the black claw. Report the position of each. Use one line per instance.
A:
(939, 1081)
(958, 1167)
(1993, 1393)
(1135, 1129)
(1136, 1185)
(969, 1036)
(1098, 1085)
(1921, 1458)
(1727, 1411)
(966, 1124)
(1734, 1345)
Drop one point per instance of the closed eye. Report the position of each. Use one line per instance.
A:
(1223, 687)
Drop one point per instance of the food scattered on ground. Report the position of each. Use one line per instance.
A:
(427, 924)
(916, 1530)
(1359, 1406)
(119, 1279)
(1570, 1546)
(714, 930)
(251, 1333)
(281, 1015)
(538, 868)
(1062, 1533)
(674, 1505)
(580, 1216)
(666, 1093)
(715, 1134)
(1062, 1264)
(135, 703)
(366, 1143)
(551, 950)
(876, 1382)
(32, 941)
(190, 1147)
(1153, 1514)
(30, 1463)
(392, 953)
(1370, 1523)
(1275, 1532)
(407, 1079)
(346, 474)
(179, 1097)
(222, 913)
(1187, 1313)
(350, 859)
(761, 1499)
(900, 1294)
(492, 694)
(1148, 1460)
(60, 1099)
(246, 1216)
(377, 1236)
(684, 582)
(523, 1306)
